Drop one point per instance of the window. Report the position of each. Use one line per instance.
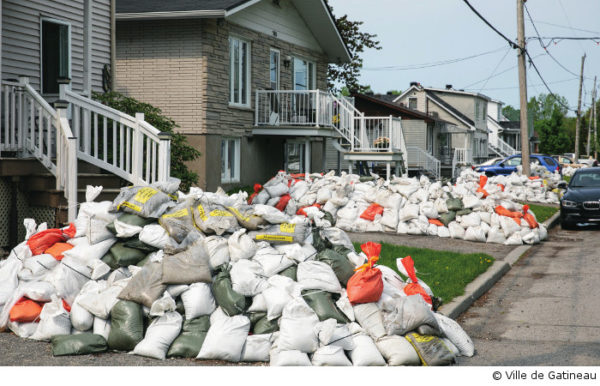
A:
(304, 75)
(514, 161)
(274, 69)
(239, 72)
(412, 103)
(55, 54)
(476, 110)
(550, 161)
(230, 160)
(296, 153)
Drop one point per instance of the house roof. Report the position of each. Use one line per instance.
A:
(511, 125)
(448, 107)
(441, 90)
(401, 110)
(315, 13)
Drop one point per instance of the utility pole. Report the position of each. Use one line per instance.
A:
(578, 122)
(523, 89)
(595, 121)
(589, 138)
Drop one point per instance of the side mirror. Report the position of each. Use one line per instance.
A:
(562, 185)
(501, 164)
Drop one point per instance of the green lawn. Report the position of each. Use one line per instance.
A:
(542, 213)
(447, 273)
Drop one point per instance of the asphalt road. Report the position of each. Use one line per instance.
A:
(545, 311)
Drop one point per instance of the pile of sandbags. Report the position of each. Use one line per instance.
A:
(204, 275)
(476, 208)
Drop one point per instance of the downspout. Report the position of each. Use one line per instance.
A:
(113, 44)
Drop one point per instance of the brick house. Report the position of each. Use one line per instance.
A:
(243, 79)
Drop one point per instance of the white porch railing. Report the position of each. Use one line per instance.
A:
(462, 157)
(378, 134)
(499, 146)
(32, 127)
(506, 148)
(419, 158)
(124, 145)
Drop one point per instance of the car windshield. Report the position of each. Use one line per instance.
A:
(586, 180)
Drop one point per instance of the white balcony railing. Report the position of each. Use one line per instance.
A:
(419, 158)
(294, 108)
(378, 134)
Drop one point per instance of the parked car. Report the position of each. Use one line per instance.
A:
(492, 161)
(581, 201)
(509, 165)
(565, 161)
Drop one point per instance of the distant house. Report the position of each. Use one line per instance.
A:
(505, 135)
(467, 137)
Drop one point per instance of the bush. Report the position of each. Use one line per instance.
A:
(181, 152)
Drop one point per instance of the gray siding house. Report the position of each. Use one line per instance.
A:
(240, 77)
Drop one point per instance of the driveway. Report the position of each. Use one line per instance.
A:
(546, 310)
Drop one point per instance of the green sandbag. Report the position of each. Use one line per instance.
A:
(464, 212)
(131, 219)
(189, 342)
(454, 204)
(431, 349)
(290, 272)
(329, 217)
(340, 264)
(342, 250)
(80, 344)
(324, 306)
(262, 325)
(127, 326)
(230, 301)
(447, 218)
(135, 242)
(109, 260)
(125, 256)
(320, 243)
(143, 262)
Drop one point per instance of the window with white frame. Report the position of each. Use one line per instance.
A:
(412, 103)
(239, 71)
(304, 75)
(56, 55)
(274, 69)
(230, 160)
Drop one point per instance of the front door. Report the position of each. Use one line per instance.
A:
(297, 156)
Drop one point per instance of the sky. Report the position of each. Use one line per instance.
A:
(417, 32)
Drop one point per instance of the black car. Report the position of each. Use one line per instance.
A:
(581, 200)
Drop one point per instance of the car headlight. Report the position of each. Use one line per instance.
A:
(569, 204)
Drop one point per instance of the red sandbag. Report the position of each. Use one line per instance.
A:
(43, 240)
(414, 288)
(257, 189)
(25, 311)
(372, 211)
(58, 249)
(435, 221)
(283, 201)
(366, 285)
(301, 212)
(501, 187)
(502, 211)
(535, 177)
(66, 306)
(482, 181)
(529, 217)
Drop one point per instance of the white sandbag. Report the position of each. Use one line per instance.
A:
(271, 260)
(486, 217)
(98, 269)
(470, 220)
(198, 300)
(241, 246)
(96, 228)
(330, 356)
(247, 277)
(428, 210)
(337, 236)
(23, 330)
(514, 239)
(397, 351)
(509, 226)
(84, 251)
(543, 232)
(54, 320)
(40, 291)
(177, 289)
(217, 248)
(475, 234)
(471, 202)
(162, 305)
(334, 334)
(365, 352)
(297, 327)
(343, 303)
(443, 232)
(225, 338)
(318, 275)
(68, 277)
(297, 252)
(289, 358)
(125, 230)
(496, 235)
(370, 318)
(81, 319)
(277, 190)
(432, 230)
(407, 314)
(453, 331)
(456, 231)
(270, 214)
(37, 265)
(298, 190)
(159, 336)
(257, 348)
(258, 304)
(156, 236)
(276, 298)
(451, 347)
(101, 327)
(409, 212)
(101, 303)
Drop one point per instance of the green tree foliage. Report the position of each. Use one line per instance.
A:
(511, 113)
(543, 106)
(553, 135)
(346, 74)
(181, 152)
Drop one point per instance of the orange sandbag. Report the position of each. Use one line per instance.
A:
(502, 211)
(414, 288)
(301, 212)
(534, 177)
(57, 250)
(366, 285)
(25, 311)
(435, 221)
(283, 201)
(482, 181)
(372, 211)
(501, 187)
(66, 306)
(529, 217)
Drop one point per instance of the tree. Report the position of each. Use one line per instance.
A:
(181, 152)
(553, 135)
(543, 106)
(511, 113)
(346, 74)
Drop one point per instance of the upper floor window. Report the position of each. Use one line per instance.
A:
(239, 72)
(56, 55)
(412, 103)
(477, 108)
(274, 69)
(304, 75)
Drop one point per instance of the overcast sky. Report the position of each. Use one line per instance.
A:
(415, 32)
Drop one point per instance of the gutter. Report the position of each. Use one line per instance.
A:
(171, 15)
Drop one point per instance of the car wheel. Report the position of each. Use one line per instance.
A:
(490, 174)
(567, 225)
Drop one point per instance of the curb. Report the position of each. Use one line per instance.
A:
(486, 280)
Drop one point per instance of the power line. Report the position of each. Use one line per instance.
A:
(430, 64)
(568, 21)
(510, 42)
(528, 85)
(545, 83)
(495, 69)
(571, 28)
(498, 74)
